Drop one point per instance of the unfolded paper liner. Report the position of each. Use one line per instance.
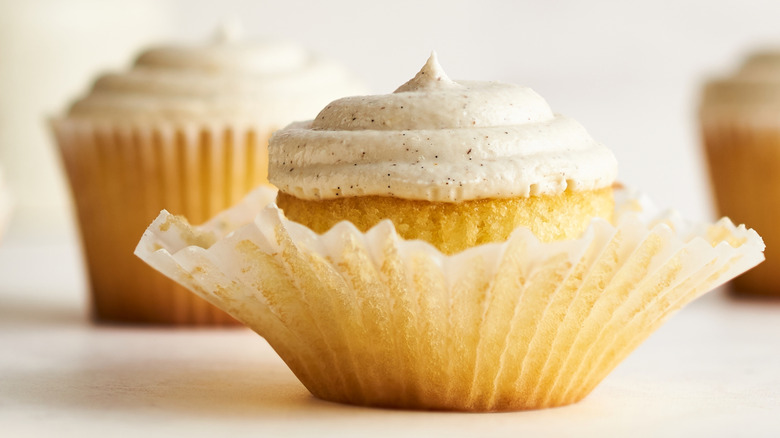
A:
(371, 319)
(122, 174)
(742, 147)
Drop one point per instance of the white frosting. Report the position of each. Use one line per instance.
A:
(270, 82)
(438, 140)
(755, 83)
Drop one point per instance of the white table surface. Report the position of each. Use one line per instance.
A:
(713, 370)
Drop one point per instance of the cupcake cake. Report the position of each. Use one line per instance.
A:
(453, 245)
(186, 128)
(740, 121)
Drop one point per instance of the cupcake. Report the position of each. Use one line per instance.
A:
(440, 159)
(480, 257)
(740, 122)
(186, 128)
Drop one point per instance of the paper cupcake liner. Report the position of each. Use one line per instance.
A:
(742, 151)
(372, 319)
(122, 175)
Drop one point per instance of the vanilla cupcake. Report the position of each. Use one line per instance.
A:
(510, 274)
(455, 164)
(186, 128)
(740, 120)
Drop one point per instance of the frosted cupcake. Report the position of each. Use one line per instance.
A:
(511, 275)
(186, 128)
(740, 119)
(454, 164)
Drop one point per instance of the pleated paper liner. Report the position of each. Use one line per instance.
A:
(122, 175)
(743, 152)
(371, 319)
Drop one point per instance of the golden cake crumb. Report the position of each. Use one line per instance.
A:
(453, 227)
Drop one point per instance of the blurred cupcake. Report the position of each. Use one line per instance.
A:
(186, 129)
(740, 120)
(551, 279)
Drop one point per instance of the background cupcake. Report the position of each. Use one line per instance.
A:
(740, 119)
(185, 129)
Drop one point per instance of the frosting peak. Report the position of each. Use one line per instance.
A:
(230, 31)
(431, 76)
(438, 140)
(431, 100)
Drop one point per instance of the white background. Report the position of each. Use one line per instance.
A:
(630, 72)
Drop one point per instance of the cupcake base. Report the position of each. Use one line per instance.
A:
(121, 176)
(453, 227)
(375, 320)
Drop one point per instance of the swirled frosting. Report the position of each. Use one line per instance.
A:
(269, 82)
(755, 83)
(436, 139)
